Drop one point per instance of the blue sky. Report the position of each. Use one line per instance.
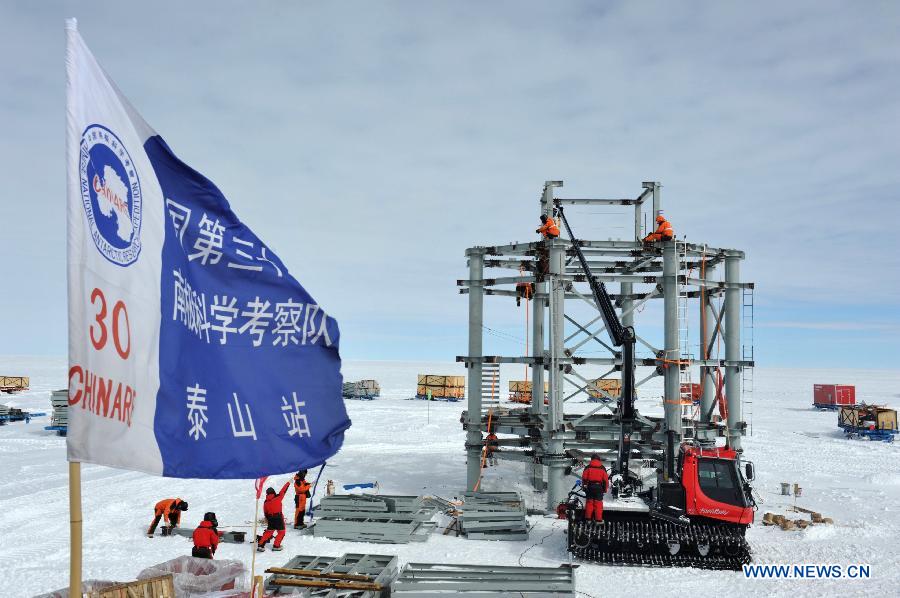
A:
(370, 143)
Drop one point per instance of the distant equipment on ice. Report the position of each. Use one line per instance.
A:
(874, 422)
(365, 390)
(832, 396)
(11, 384)
(438, 387)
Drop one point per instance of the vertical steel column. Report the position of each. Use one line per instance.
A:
(707, 374)
(672, 396)
(555, 458)
(637, 220)
(656, 207)
(732, 334)
(476, 319)
(537, 369)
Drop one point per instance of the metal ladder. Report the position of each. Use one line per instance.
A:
(747, 355)
(490, 386)
(685, 379)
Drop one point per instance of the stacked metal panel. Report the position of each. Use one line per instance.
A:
(348, 576)
(370, 518)
(424, 580)
(59, 400)
(493, 516)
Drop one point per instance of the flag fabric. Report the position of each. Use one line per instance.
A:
(260, 482)
(193, 352)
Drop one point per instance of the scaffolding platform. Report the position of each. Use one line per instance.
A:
(349, 576)
(426, 580)
(567, 339)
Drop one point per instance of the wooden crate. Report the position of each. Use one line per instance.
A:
(613, 386)
(155, 587)
(858, 416)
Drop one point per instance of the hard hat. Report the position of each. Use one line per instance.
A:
(660, 218)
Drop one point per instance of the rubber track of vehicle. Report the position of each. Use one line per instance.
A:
(608, 542)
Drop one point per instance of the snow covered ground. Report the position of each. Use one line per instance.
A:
(415, 447)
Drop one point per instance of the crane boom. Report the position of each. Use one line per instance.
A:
(621, 336)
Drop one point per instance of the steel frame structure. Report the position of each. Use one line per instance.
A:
(548, 437)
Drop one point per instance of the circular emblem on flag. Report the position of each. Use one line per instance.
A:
(111, 195)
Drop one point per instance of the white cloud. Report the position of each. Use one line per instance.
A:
(369, 144)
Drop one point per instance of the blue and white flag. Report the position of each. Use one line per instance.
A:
(192, 350)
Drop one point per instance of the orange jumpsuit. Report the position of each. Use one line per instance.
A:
(549, 229)
(663, 232)
(168, 508)
(301, 493)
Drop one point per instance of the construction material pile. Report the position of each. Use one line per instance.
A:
(361, 389)
(441, 388)
(350, 575)
(11, 384)
(796, 524)
(520, 391)
(423, 580)
(59, 419)
(492, 516)
(370, 518)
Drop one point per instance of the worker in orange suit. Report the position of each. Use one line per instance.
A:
(595, 481)
(663, 232)
(274, 512)
(301, 493)
(548, 227)
(491, 446)
(170, 509)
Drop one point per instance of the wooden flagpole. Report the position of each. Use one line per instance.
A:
(254, 548)
(75, 529)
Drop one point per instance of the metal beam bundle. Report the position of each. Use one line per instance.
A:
(672, 271)
(349, 576)
(381, 519)
(492, 516)
(425, 580)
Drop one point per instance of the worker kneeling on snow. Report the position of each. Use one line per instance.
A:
(171, 509)
(595, 481)
(206, 537)
(274, 512)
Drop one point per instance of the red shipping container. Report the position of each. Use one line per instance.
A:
(833, 395)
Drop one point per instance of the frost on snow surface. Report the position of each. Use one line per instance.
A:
(416, 447)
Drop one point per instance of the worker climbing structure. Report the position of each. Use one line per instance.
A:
(684, 275)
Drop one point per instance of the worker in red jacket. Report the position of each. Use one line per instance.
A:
(595, 481)
(274, 512)
(170, 509)
(206, 537)
(301, 493)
